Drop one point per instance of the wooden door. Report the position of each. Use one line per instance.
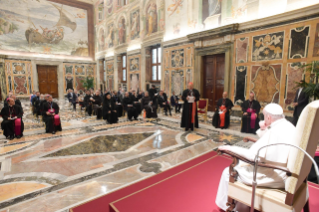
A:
(48, 80)
(213, 84)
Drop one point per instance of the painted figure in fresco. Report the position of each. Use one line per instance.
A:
(135, 30)
(151, 19)
(109, 6)
(110, 37)
(122, 31)
(214, 7)
(175, 7)
(102, 40)
(52, 36)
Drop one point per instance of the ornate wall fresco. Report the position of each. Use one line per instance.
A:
(242, 50)
(134, 82)
(43, 27)
(179, 68)
(240, 84)
(298, 44)
(110, 39)
(19, 77)
(3, 82)
(121, 26)
(316, 43)
(268, 46)
(294, 74)
(272, 74)
(135, 24)
(266, 83)
(73, 74)
(133, 73)
(109, 64)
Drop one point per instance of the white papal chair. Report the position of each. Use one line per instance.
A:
(294, 197)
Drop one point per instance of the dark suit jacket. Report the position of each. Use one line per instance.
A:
(162, 99)
(72, 98)
(303, 100)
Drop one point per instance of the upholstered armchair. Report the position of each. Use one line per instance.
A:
(202, 106)
(294, 197)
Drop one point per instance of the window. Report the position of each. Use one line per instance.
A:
(125, 2)
(156, 63)
(124, 68)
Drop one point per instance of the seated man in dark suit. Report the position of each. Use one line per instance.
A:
(174, 103)
(162, 100)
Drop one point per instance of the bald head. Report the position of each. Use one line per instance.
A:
(11, 101)
(225, 95)
(190, 86)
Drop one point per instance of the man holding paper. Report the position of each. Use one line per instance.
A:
(189, 117)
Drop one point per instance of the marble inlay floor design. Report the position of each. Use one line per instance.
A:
(89, 158)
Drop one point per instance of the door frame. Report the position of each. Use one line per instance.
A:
(59, 65)
(200, 53)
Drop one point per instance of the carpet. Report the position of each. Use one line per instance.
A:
(189, 187)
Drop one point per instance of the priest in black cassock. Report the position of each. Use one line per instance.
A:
(12, 124)
(189, 117)
(250, 120)
(129, 107)
(148, 106)
(221, 117)
(51, 116)
(88, 102)
(109, 109)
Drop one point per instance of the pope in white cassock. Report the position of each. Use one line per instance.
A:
(274, 129)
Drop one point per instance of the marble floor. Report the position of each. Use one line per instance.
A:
(89, 158)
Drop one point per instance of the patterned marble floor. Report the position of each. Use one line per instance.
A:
(45, 172)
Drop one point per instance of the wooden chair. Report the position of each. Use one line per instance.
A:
(202, 106)
(294, 197)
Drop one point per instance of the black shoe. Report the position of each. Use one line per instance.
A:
(135, 119)
(11, 137)
(18, 137)
(53, 132)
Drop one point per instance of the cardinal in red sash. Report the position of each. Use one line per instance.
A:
(189, 117)
(221, 117)
(12, 124)
(250, 120)
(51, 116)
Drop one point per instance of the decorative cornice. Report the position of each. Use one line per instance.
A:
(132, 52)
(214, 33)
(153, 39)
(109, 58)
(175, 41)
(280, 19)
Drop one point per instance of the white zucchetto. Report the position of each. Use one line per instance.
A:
(274, 109)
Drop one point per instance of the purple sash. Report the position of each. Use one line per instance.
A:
(56, 117)
(17, 127)
(252, 117)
